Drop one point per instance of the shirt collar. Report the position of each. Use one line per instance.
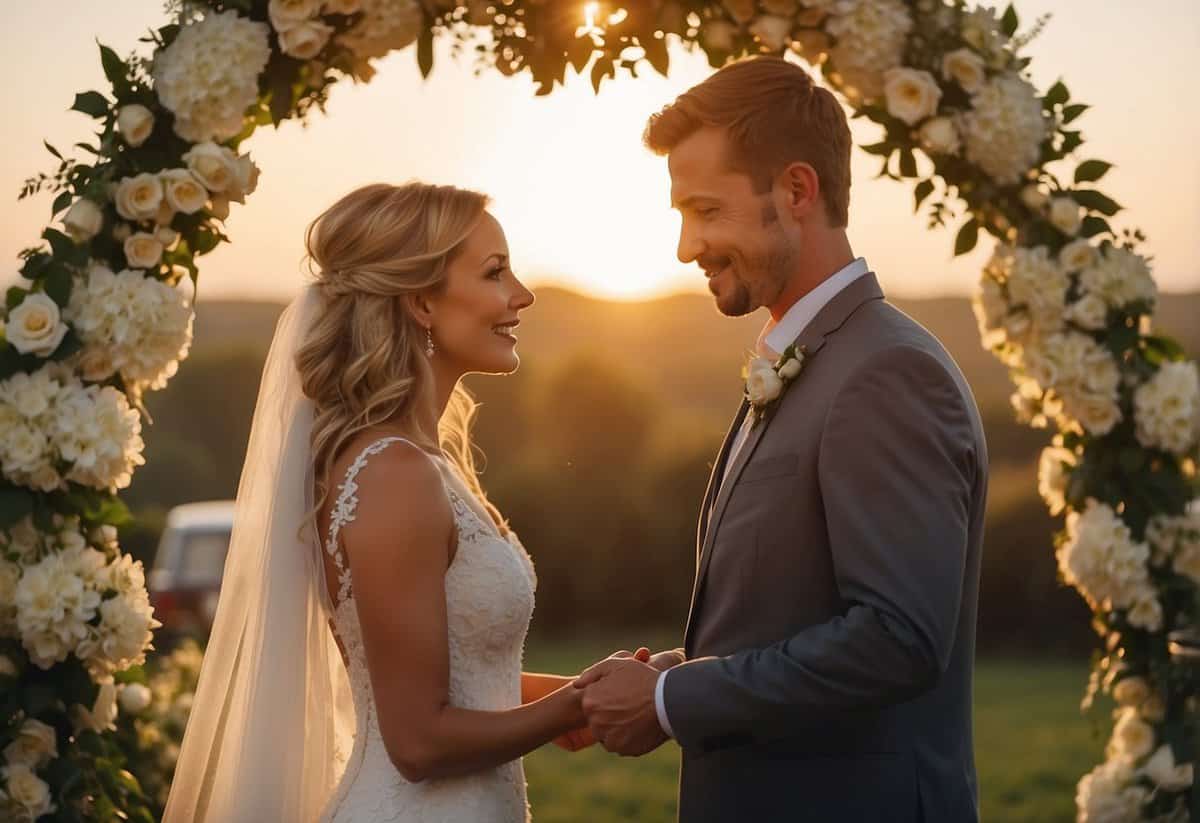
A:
(775, 337)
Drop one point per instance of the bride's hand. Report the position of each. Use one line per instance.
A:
(581, 738)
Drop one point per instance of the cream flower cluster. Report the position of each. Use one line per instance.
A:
(869, 39)
(53, 428)
(386, 25)
(1020, 300)
(1176, 540)
(1005, 128)
(301, 34)
(1118, 277)
(23, 795)
(208, 76)
(69, 597)
(130, 324)
(1100, 558)
(1167, 408)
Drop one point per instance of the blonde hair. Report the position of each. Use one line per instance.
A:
(362, 361)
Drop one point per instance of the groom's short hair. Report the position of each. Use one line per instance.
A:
(773, 114)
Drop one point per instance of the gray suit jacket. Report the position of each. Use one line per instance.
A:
(831, 638)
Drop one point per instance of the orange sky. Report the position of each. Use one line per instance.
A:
(583, 204)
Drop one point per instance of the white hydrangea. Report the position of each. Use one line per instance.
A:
(1132, 738)
(131, 324)
(1100, 558)
(1177, 540)
(385, 26)
(1108, 794)
(124, 634)
(981, 29)
(1034, 281)
(1120, 277)
(27, 794)
(1082, 376)
(208, 76)
(54, 608)
(97, 432)
(1167, 408)
(1053, 472)
(1005, 128)
(870, 37)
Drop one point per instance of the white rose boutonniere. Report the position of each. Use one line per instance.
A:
(766, 381)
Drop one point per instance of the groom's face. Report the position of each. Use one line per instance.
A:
(728, 226)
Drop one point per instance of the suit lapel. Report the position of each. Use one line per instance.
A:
(714, 477)
(812, 338)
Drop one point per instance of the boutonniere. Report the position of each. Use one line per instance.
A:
(766, 381)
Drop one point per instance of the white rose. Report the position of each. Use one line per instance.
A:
(1130, 691)
(1052, 476)
(911, 95)
(103, 715)
(1065, 215)
(143, 251)
(773, 32)
(1162, 770)
(83, 220)
(34, 746)
(184, 192)
(341, 6)
(135, 123)
(166, 236)
(966, 68)
(219, 207)
(304, 41)
(939, 135)
(1076, 255)
(35, 326)
(247, 180)
(1034, 198)
(791, 369)
(762, 383)
(285, 14)
(214, 166)
(1090, 312)
(718, 36)
(139, 197)
(1131, 738)
(27, 791)
(135, 698)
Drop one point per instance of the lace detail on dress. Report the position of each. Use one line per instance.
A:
(343, 512)
(489, 588)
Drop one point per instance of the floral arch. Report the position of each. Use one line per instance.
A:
(1065, 302)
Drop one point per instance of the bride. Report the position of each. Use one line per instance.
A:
(365, 659)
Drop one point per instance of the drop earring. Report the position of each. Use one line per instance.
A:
(429, 342)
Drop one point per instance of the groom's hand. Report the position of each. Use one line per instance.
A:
(619, 703)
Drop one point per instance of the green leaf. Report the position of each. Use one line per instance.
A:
(923, 190)
(425, 50)
(92, 103)
(883, 149)
(58, 285)
(1090, 171)
(61, 202)
(603, 67)
(1094, 200)
(1071, 141)
(967, 237)
(1071, 112)
(116, 71)
(60, 245)
(656, 53)
(1009, 22)
(1057, 95)
(14, 297)
(1093, 225)
(908, 163)
(15, 503)
(52, 150)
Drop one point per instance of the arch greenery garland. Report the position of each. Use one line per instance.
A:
(99, 319)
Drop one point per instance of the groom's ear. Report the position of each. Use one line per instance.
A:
(802, 190)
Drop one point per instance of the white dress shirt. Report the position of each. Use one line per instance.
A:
(772, 340)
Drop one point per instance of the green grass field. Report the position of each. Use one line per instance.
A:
(1031, 747)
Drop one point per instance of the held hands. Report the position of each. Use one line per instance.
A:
(582, 738)
(618, 699)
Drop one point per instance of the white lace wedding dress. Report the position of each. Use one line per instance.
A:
(489, 600)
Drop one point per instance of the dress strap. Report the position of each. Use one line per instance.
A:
(344, 510)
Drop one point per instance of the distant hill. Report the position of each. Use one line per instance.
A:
(680, 345)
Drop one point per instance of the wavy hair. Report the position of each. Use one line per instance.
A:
(362, 361)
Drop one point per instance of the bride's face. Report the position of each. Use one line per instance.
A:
(474, 317)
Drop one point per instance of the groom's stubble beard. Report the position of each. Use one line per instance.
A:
(776, 265)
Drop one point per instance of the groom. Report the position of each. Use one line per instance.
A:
(827, 663)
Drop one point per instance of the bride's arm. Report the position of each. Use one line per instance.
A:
(398, 550)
